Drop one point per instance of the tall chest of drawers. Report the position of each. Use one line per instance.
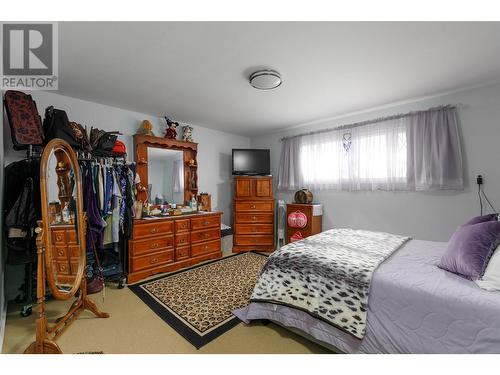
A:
(167, 244)
(253, 213)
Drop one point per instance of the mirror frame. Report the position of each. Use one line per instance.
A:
(50, 148)
(189, 149)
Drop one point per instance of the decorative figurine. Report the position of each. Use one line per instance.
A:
(170, 132)
(146, 128)
(187, 133)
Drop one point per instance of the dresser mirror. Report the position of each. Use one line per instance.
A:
(167, 168)
(166, 175)
(61, 252)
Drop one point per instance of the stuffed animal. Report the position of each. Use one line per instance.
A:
(170, 132)
(187, 133)
(146, 128)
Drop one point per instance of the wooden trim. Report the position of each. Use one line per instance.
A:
(163, 142)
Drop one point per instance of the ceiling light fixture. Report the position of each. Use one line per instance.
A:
(265, 79)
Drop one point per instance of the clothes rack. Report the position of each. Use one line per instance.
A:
(16, 174)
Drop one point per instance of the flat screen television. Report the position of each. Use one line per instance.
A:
(251, 162)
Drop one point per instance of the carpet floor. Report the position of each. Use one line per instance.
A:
(198, 302)
(134, 328)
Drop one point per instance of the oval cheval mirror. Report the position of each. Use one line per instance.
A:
(61, 244)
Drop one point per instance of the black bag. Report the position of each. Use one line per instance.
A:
(56, 125)
(102, 140)
(81, 136)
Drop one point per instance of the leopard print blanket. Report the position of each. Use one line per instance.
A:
(327, 275)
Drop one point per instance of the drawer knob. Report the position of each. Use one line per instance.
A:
(154, 245)
(62, 267)
(183, 240)
(154, 230)
(252, 206)
(254, 218)
(206, 247)
(59, 237)
(154, 260)
(206, 222)
(60, 253)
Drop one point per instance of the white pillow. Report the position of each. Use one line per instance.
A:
(491, 278)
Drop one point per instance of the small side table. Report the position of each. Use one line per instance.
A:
(314, 214)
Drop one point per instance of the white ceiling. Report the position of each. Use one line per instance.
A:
(198, 72)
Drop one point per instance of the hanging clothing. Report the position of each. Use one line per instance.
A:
(117, 202)
(95, 224)
(21, 210)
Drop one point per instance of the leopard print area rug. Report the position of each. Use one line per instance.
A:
(198, 302)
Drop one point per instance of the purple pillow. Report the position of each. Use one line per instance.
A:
(470, 249)
(482, 219)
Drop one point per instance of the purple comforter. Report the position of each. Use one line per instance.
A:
(413, 307)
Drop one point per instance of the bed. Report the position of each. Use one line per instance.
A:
(413, 307)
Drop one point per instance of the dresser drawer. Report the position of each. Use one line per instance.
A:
(74, 267)
(254, 218)
(143, 247)
(59, 252)
(182, 252)
(182, 226)
(254, 206)
(205, 247)
(61, 267)
(182, 239)
(254, 240)
(74, 251)
(205, 235)
(152, 260)
(254, 228)
(71, 236)
(58, 237)
(153, 229)
(205, 222)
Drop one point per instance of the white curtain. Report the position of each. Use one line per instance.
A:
(385, 154)
(178, 176)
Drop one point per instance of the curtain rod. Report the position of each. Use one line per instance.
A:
(374, 121)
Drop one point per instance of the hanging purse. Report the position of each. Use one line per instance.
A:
(95, 278)
(24, 120)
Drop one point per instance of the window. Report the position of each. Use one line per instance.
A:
(416, 151)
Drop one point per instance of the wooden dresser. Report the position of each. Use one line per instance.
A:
(314, 216)
(167, 244)
(253, 213)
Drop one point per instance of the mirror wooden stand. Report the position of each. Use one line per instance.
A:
(61, 267)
